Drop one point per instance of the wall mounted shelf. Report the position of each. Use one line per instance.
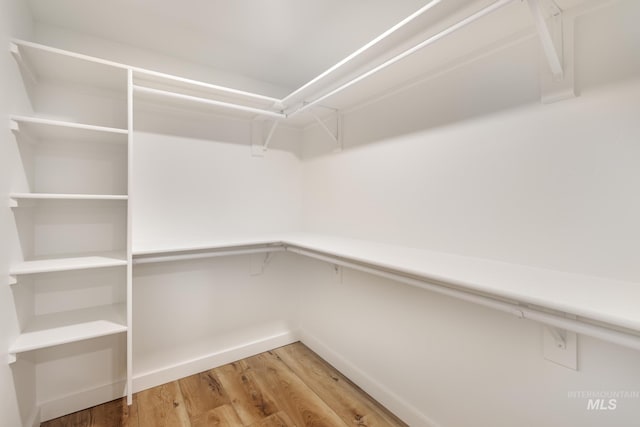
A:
(53, 329)
(48, 129)
(16, 199)
(44, 63)
(79, 262)
(605, 308)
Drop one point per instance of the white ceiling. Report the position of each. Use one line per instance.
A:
(283, 42)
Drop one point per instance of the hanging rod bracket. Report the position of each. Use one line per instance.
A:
(11, 358)
(259, 262)
(559, 336)
(555, 31)
(335, 135)
(560, 346)
(12, 280)
(259, 142)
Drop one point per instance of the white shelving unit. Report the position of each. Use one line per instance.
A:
(75, 148)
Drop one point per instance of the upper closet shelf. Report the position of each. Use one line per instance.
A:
(57, 130)
(538, 294)
(44, 63)
(80, 262)
(398, 55)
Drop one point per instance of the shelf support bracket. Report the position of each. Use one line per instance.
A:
(335, 136)
(560, 346)
(11, 358)
(259, 145)
(259, 263)
(559, 336)
(556, 37)
(12, 280)
(22, 62)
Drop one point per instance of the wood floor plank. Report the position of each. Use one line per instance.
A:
(162, 406)
(302, 405)
(77, 419)
(223, 416)
(114, 413)
(251, 401)
(202, 392)
(352, 404)
(279, 419)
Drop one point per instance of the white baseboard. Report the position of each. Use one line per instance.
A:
(81, 400)
(183, 369)
(34, 418)
(394, 403)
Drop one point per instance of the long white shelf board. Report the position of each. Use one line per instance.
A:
(599, 299)
(53, 329)
(223, 243)
(60, 130)
(52, 64)
(66, 196)
(79, 262)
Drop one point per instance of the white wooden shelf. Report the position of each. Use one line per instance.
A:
(229, 242)
(600, 299)
(49, 330)
(50, 64)
(79, 262)
(16, 199)
(48, 129)
(522, 290)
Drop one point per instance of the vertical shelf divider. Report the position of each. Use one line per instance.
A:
(129, 238)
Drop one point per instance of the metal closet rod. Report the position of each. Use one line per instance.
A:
(206, 101)
(204, 255)
(432, 39)
(606, 334)
(364, 48)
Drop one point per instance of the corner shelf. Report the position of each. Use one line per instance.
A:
(605, 308)
(40, 128)
(49, 330)
(81, 262)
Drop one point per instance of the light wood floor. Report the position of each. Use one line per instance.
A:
(286, 387)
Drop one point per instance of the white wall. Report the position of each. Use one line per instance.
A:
(471, 163)
(195, 179)
(17, 383)
(192, 315)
